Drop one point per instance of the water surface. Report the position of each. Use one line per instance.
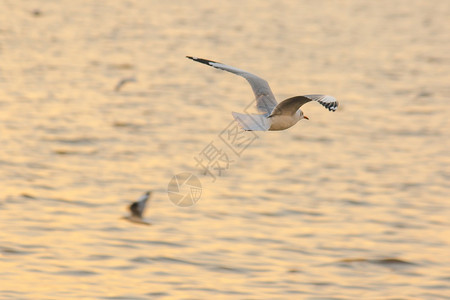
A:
(348, 205)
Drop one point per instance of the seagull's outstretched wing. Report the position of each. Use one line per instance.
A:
(265, 100)
(291, 105)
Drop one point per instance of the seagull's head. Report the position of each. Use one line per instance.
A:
(302, 116)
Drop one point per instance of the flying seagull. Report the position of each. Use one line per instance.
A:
(273, 115)
(124, 81)
(137, 209)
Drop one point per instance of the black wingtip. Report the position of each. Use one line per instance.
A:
(201, 60)
(331, 106)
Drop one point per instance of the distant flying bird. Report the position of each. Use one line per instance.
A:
(137, 209)
(124, 81)
(274, 116)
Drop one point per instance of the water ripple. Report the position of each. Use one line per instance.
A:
(381, 262)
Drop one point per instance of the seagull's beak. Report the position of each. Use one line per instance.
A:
(305, 117)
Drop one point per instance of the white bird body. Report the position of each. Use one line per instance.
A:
(282, 122)
(273, 116)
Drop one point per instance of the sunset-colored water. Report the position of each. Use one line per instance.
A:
(348, 205)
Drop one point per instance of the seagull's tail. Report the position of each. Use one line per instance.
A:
(252, 122)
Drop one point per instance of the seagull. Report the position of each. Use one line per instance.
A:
(137, 209)
(124, 81)
(273, 115)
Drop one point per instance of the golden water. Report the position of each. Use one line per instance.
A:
(348, 205)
